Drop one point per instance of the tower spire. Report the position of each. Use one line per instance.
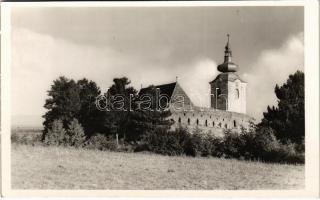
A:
(227, 65)
(227, 52)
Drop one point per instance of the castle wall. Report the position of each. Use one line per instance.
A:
(210, 120)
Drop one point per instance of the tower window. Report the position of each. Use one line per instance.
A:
(234, 123)
(237, 94)
(179, 120)
(212, 124)
(189, 121)
(218, 91)
(206, 123)
(226, 126)
(197, 122)
(184, 114)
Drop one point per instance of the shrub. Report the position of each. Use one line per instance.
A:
(194, 145)
(75, 135)
(164, 142)
(260, 144)
(56, 134)
(233, 144)
(101, 142)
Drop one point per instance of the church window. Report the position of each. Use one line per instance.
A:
(220, 124)
(210, 116)
(213, 124)
(189, 121)
(206, 123)
(193, 114)
(197, 122)
(226, 126)
(234, 123)
(223, 119)
(179, 120)
(184, 114)
(237, 94)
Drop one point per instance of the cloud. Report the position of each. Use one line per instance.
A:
(272, 67)
(38, 59)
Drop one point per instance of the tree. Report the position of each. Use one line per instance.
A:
(287, 119)
(75, 135)
(68, 100)
(118, 116)
(147, 119)
(89, 116)
(63, 103)
(56, 134)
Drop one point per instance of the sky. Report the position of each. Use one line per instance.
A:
(152, 46)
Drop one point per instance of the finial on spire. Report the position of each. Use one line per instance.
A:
(227, 52)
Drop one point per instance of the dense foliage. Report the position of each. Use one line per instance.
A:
(288, 118)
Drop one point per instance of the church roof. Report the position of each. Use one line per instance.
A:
(166, 89)
(228, 76)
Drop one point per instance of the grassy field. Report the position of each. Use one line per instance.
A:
(37, 167)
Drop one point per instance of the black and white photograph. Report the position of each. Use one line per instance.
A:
(157, 97)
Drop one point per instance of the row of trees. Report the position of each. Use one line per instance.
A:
(70, 100)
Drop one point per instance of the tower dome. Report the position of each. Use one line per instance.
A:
(227, 65)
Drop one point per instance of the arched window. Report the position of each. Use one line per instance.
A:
(234, 123)
(213, 124)
(184, 114)
(237, 94)
(206, 123)
(189, 121)
(226, 126)
(220, 124)
(197, 122)
(179, 120)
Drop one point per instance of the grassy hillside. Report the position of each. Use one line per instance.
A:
(37, 167)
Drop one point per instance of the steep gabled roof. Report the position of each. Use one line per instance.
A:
(166, 89)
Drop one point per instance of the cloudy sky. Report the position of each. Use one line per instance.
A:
(152, 46)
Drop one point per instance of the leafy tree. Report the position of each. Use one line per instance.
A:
(89, 116)
(63, 102)
(287, 119)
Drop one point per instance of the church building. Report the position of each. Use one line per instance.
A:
(227, 101)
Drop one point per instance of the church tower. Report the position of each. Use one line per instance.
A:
(228, 91)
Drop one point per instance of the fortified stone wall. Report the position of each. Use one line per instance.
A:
(210, 120)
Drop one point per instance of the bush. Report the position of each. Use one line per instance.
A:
(75, 135)
(101, 142)
(56, 135)
(260, 144)
(194, 145)
(164, 142)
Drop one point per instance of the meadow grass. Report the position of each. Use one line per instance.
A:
(40, 167)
